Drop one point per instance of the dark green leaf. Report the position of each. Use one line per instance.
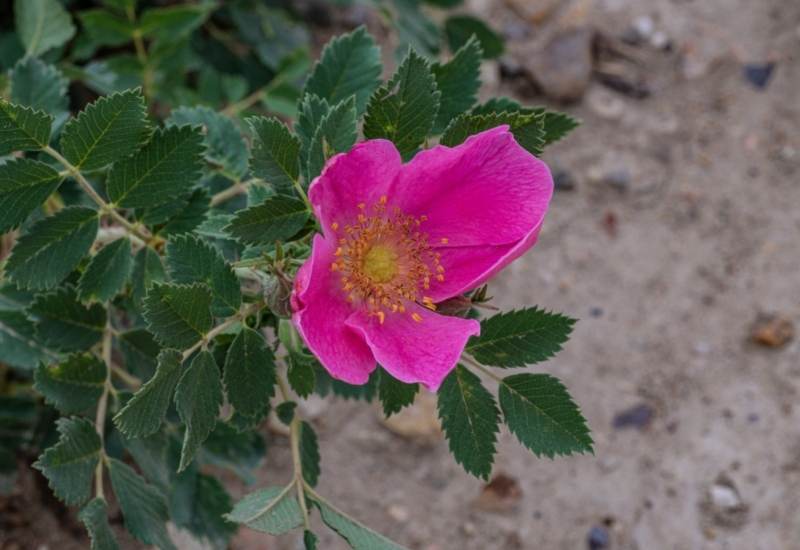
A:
(357, 535)
(459, 29)
(147, 269)
(106, 28)
(22, 128)
(310, 540)
(497, 105)
(557, 126)
(394, 394)
(404, 109)
(178, 315)
(140, 351)
(40, 86)
(150, 454)
(309, 453)
(42, 25)
(470, 420)
(65, 324)
(198, 398)
(208, 503)
(239, 452)
(274, 37)
(336, 133)
(69, 464)
(310, 114)
(190, 216)
(173, 22)
(276, 153)
(301, 374)
(276, 219)
(285, 411)
(107, 273)
(272, 510)
(24, 185)
(527, 128)
(74, 385)
(540, 412)
(519, 338)
(458, 81)
(18, 347)
(95, 517)
(249, 373)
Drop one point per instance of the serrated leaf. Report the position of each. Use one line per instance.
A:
(285, 412)
(193, 260)
(239, 452)
(74, 385)
(18, 347)
(22, 128)
(272, 510)
(140, 352)
(415, 29)
(357, 535)
(300, 374)
(458, 82)
(42, 25)
(404, 109)
(336, 133)
(460, 28)
(150, 454)
(69, 464)
(309, 453)
(208, 501)
(106, 131)
(198, 398)
(274, 37)
(65, 324)
(164, 169)
(190, 216)
(95, 517)
(519, 338)
(276, 219)
(310, 540)
(143, 414)
(173, 22)
(249, 373)
(394, 394)
(557, 126)
(540, 412)
(105, 28)
(143, 507)
(526, 127)
(310, 113)
(497, 105)
(147, 270)
(470, 420)
(350, 64)
(276, 153)
(39, 86)
(107, 272)
(178, 315)
(24, 185)
(225, 146)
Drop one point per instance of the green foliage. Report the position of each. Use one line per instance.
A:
(63, 323)
(178, 315)
(42, 25)
(249, 373)
(18, 346)
(272, 510)
(527, 128)
(460, 28)
(301, 374)
(276, 219)
(458, 82)
(24, 185)
(310, 540)
(40, 86)
(276, 153)
(23, 128)
(147, 270)
(557, 126)
(107, 272)
(74, 385)
(198, 398)
(394, 394)
(309, 453)
(357, 535)
(95, 517)
(336, 133)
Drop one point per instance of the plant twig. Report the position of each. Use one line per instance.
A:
(294, 442)
(102, 407)
(126, 377)
(473, 363)
(238, 188)
(222, 327)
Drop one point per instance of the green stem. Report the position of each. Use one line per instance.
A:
(238, 188)
(102, 408)
(473, 363)
(297, 463)
(126, 377)
(222, 327)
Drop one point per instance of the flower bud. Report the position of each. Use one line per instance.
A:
(277, 294)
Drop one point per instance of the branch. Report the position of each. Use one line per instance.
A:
(294, 441)
(238, 188)
(102, 407)
(222, 327)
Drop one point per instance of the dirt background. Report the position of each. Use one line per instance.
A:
(675, 227)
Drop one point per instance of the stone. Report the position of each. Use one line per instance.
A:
(563, 68)
(772, 330)
(638, 416)
(723, 505)
(758, 74)
(501, 494)
(598, 538)
(605, 104)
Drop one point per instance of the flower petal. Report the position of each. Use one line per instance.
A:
(321, 309)
(486, 191)
(362, 175)
(412, 351)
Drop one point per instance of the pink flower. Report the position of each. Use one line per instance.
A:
(399, 238)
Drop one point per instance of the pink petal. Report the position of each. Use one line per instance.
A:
(362, 175)
(414, 351)
(488, 190)
(320, 314)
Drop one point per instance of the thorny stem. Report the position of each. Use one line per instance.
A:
(102, 407)
(222, 327)
(294, 441)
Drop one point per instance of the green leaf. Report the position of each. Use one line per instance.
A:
(239, 452)
(519, 338)
(540, 412)
(74, 385)
(24, 185)
(460, 28)
(310, 540)
(139, 351)
(310, 113)
(276, 219)
(557, 126)
(22, 128)
(143, 507)
(42, 25)
(65, 324)
(173, 22)
(198, 398)
(190, 216)
(357, 535)
(301, 374)
(151, 455)
(95, 517)
(336, 133)
(225, 146)
(276, 153)
(404, 109)
(106, 131)
(69, 464)
(498, 105)
(458, 81)
(415, 29)
(249, 373)
(285, 411)
(143, 414)
(272, 510)
(18, 348)
(394, 394)
(274, 37)
(209, 501)
(350, 64)
(164, 169)
(470, 420)
(147, 270)
(106, 28)
(39, 86)
(193, 260)
(527, 128)
(178, 315)
(309, 453)
(107, 273)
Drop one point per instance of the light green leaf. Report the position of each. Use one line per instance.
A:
(22, 128)
(357, 535)
(147, 270)
(18, 348)
(107, 273)
(69, 464)
(519, 338)
(106, 28)
(24, 185)
(272, 510)
(276, 153)
(143, 507)
(42, 25)
(350, 64)
(394, 394)
(404, 109)
(74, 385)
(470, 420)
(309, 453)
(165, 168)
(178, 315)
(458, 81)
(460, 28)
(337, 133)
(144, 413)
(540, 412)
(40, 86)
(95, 517)
(526, 127)
(107, 130)
(193, 260)
(65, 324)
(249, 373)
(276, 219)
(198, 398)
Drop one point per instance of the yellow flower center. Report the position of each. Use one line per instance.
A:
(380, 263)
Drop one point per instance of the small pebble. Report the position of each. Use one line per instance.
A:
(596, 312)
(644, 26)
(598, 538)
(759, 74)
(772, 330)
(619, 179)
(639, 417)
(563, 181)
(660, 41)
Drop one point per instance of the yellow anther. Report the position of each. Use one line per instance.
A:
(384, 199)
(334, 226)
(440, 277)
(361, 206)
(334, 266)
(381, 317)
(445, 240)
(338, 252)
(417, 317)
